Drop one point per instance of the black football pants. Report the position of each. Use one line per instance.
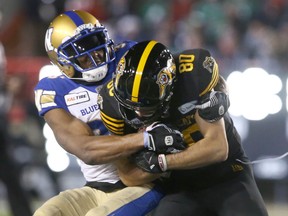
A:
(235, 197)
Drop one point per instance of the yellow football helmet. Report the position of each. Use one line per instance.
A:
(77, 36)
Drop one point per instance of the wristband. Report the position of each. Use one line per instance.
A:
(146, 139)
(162, 162)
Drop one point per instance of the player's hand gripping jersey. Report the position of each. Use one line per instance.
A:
(197, 87)
(79, 100)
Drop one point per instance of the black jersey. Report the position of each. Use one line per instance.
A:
(109, 112)
(197, 74)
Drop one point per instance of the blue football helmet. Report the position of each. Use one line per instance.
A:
(80, 46)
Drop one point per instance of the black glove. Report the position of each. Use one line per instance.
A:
(162, 139)
(213, 106)
(150, 161)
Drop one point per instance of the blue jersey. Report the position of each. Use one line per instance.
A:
(81, 101)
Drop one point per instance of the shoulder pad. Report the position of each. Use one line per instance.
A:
(200, 67)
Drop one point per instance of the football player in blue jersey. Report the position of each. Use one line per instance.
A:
(80, 46)
(212, 176)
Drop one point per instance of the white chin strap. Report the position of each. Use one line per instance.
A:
(96, 74)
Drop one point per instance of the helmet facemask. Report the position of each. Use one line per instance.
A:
(139, 117)
(89, 53)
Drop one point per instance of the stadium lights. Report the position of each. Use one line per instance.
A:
(287, 94)
(253, 93)
(57, 158)
(271, 169)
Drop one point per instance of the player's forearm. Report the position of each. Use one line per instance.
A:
(213, 148)
(103, 149)
(77, 138)
(201, 154)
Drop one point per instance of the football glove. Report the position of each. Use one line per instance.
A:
(150, 161)
(162, 139)
(213, 106)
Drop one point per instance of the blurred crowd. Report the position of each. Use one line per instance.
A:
(239, 34)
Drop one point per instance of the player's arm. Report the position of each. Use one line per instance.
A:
(213, 148)
(77, 138)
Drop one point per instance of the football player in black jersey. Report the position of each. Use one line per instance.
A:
(185, 91)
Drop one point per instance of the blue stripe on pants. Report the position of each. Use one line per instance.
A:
(142, 205)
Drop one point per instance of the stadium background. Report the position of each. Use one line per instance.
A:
(240, 35)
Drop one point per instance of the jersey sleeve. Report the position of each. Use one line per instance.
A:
(46, 96)
(109, 112)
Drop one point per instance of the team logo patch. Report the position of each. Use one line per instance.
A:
(187, 107)
(168, 140)
(72, 99)
(221, 110)
(208, 64)
(163, 80)
(121, 66)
